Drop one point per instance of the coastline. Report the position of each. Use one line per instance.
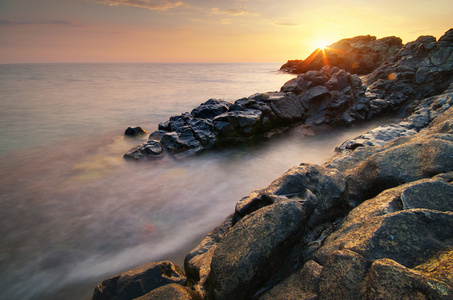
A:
(318, 211)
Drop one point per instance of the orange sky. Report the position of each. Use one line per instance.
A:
(203, 30)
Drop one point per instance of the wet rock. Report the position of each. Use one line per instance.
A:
(139, 281)
(256, 249)
(359, 55)
(135, 132)
(148, 150)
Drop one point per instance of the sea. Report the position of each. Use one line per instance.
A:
(74, 212)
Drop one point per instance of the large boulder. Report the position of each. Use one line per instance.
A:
(359, 55)
(256, 249)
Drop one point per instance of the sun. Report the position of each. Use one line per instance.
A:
(321, 44)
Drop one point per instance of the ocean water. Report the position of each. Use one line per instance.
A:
(73, 212)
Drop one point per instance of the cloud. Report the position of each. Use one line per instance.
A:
(285, 24)
(234, 12)
(148, 4)
(7, 22)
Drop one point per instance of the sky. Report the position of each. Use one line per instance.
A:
(42, 31)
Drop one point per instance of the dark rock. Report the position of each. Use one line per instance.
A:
(327, 185)
(301, 285)
(171, 291)
(139, 281)
(360, 55)
(135, 132)
(148, 150)
(211, 109)
(255, 250)
(420, 69)
(197, 263)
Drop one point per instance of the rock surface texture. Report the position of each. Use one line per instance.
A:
(374, 222)
(358, 55)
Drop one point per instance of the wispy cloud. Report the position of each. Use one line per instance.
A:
(233, 12)
(9, 22)
(148, 4)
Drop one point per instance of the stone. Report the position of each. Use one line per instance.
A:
(210, 109)
(256, 250)
(135, 132)
(327, 185)
(300, 285)
(433, 195)
(342, 275)
(360, 55)
(389, 280)
(197, 263)
(171, 291)
(139, 281)
(420, 157)
(421, 69)
(407, 237)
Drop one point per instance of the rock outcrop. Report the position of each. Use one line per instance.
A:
(359, 55)
(421, 69)
(374, 222)
(329, 96)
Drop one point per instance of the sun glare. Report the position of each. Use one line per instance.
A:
(321, 44)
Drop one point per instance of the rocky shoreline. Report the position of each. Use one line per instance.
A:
(373, 222)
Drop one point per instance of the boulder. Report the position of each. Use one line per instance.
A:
(256, 250)
(135, 131)
(139, 281)
(359, 55)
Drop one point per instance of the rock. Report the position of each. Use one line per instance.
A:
(197, 263)
(171, 291)
(256, 249)
(342, 274)
(327, 185)
(388, 279)
(421, 69)
(210, 109)
(135, 132)
(139, 281)
(300, 285)
(148, 150)
(420, 157)
(359, 55)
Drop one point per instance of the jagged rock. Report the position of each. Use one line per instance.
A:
(139, 281)
(420, 69)
(359, 55)
(148, 150)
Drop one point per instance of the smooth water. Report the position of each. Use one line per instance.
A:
(73, 212)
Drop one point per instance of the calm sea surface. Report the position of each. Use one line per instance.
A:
(73, 212)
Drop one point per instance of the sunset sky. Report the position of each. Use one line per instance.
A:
(203, 30)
